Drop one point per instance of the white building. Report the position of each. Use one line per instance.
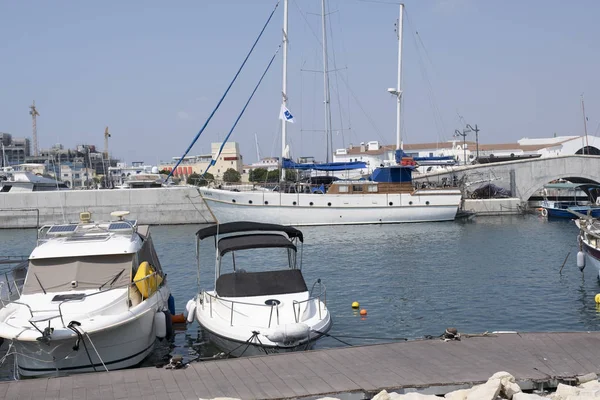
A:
(119, 174)
(375, 154)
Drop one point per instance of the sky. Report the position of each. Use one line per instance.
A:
(152, 71)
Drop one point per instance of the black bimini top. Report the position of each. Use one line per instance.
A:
(246, 226)
(256, 241)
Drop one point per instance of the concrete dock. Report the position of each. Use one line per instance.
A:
(432, 366)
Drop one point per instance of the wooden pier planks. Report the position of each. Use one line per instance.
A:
(414, 364)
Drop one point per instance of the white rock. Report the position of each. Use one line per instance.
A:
(458, 394)
(590, 385)
(413, 396)
(564, 391)
(587, 378)
(383, 395)
(502, 375)
(487, 391)
(509, 389)
(528, 396)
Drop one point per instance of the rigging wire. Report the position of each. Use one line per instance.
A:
(213, 161)
(343, 79)
(224, 94)
(437, 115)
(337, 91)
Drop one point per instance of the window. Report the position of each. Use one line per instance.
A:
(357, 188)
(76, 176)
(343, 188)
(372, 188)
(65, 175)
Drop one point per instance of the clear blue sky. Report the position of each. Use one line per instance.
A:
(153, 70)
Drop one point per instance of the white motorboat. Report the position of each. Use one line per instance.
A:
(589, 241)
(25, 181)
(254, 310)
(94, 298)
(387, 197)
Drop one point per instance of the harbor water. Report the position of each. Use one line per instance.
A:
(488, 274)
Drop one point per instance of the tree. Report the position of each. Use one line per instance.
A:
(258, 175)
(273, 176)
(199, 180)
(164, 171)
(231, 175)
(291, 175)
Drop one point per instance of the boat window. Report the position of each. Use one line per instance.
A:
(6, 188)
(357, 188)
(257, 260)
(372, 188)
(343, 188)
(90, 272)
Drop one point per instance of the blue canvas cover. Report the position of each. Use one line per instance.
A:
(334, 166)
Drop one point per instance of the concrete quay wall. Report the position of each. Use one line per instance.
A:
(155, 206)
(493, 207)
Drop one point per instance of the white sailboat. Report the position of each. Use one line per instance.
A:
(388, 197)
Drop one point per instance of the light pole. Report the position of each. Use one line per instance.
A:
(476, 130)
(464, 136)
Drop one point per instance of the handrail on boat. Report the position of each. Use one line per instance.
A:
(322, 293)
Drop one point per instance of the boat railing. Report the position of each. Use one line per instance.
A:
(86, 295)
(322, 294)
(274, 306)
(9, 283)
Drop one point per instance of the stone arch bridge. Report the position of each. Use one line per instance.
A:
(523, 178)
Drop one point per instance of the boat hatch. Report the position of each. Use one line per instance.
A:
(69, 297)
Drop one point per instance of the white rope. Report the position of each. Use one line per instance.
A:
(98, 354)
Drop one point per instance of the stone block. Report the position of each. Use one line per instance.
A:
(587, 378)
(487, 391)
(383, 395)
(502, 375)
(509, 389)
(564, 391)
(458, 394)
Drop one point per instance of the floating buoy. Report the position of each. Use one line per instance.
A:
(581, 260)
(178, 319)
(171, 303)
(355, 304)
(190, 303)
(191, 312)
(597, 298)
(363, 312)
(160, 324)
(544, 212)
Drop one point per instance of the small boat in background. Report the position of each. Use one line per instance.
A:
(94, 298)
(589, 242)
(259, 309)
(560, 208)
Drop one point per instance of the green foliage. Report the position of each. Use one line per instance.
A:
(199, 180)
(273, 176)
(258, 175)
(164, 171)
(231, 176)
(291, 175)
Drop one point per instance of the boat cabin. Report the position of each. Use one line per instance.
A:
(81, 258)
(237, 273)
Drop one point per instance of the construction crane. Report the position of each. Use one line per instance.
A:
(34, 113)
(106, 136)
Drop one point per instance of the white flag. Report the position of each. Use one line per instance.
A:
(286, 115)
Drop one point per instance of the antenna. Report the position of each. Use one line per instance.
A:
(34, 113)
(106, 136)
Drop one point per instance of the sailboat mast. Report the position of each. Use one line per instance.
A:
(399, 144)
(284, 86)
(585, 127)
(326, 85)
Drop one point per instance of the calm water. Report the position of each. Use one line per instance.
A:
(493, 273)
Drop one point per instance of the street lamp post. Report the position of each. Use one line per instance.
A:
(476, 130)
(464, 136)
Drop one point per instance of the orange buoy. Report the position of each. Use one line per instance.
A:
(178, 319)
(363, 312)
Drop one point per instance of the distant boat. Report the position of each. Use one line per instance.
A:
(560, 208)
(25, 181)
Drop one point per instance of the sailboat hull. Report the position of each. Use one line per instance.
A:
(300, 209)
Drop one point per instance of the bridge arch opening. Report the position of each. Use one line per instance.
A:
(589, 150)
(538, 194)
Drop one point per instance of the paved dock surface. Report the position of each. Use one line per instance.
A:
(534, 357)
